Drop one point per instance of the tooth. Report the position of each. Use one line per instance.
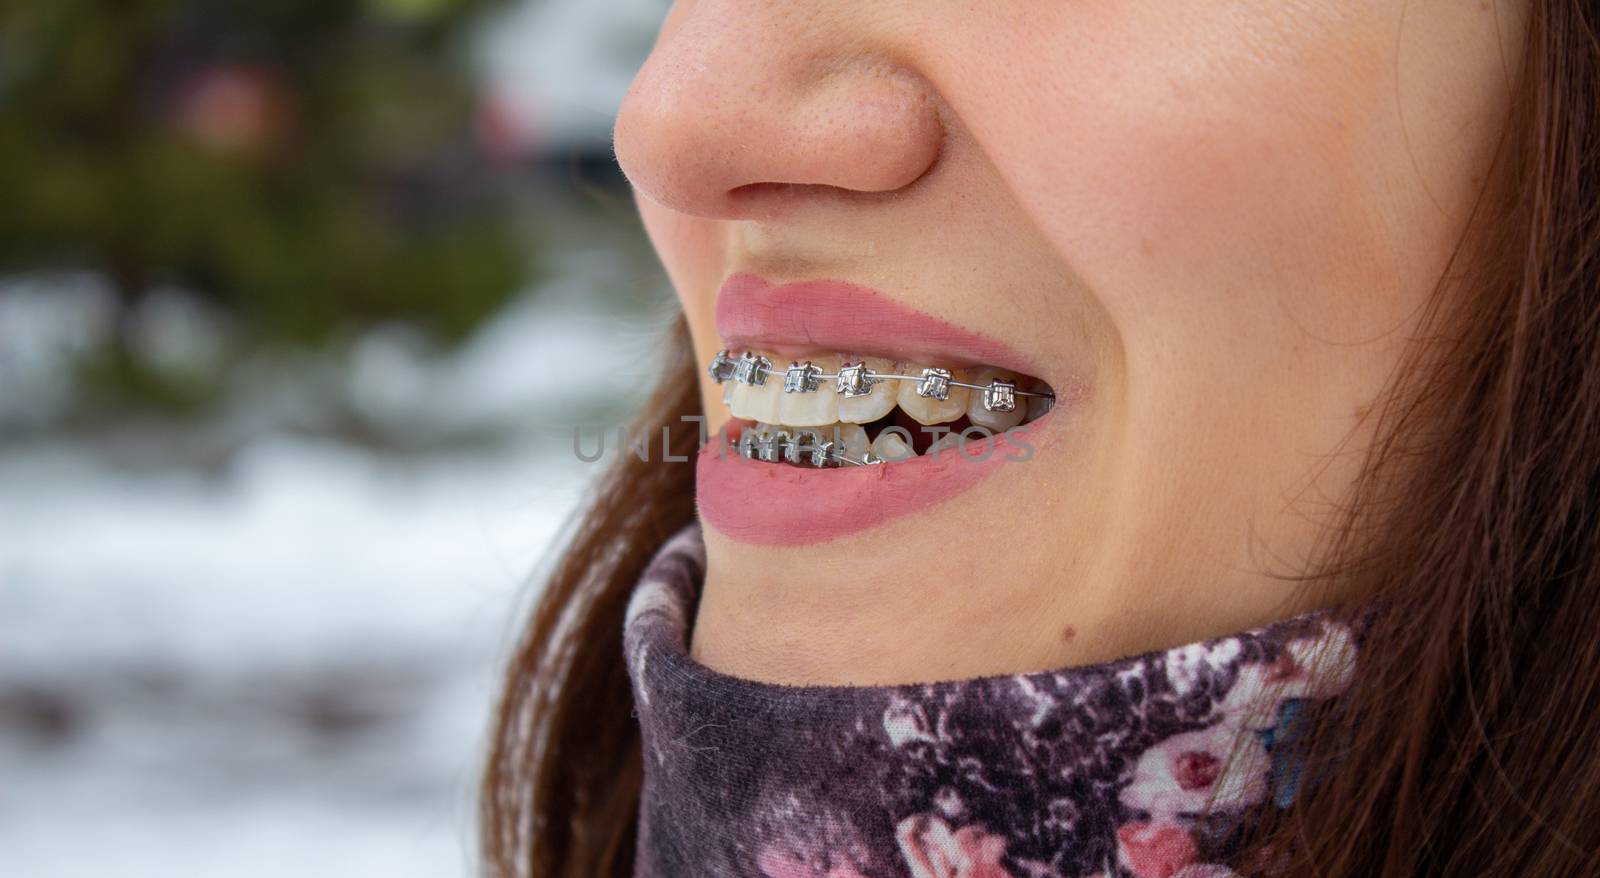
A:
(758, 402)
(728, 388)
(766, 444)
(951, 440)
(876, 404)
(926, 409)
(997, 422)
(747, 443)
(788, 445)
(740, 404)
(891, 446)
(817, 408)
(851, 441)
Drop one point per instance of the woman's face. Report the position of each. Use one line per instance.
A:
(1209, 227)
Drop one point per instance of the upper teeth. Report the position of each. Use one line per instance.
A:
(802, 378)
(855, 380)
(858, 378)
(812, 412)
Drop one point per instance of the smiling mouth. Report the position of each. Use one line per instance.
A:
(825, 377)
(840, 410)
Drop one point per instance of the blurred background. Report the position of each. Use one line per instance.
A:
(290, 296)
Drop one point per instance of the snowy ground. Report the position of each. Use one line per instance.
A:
(282, 662)
(284, 674)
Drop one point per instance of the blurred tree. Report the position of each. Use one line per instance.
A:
(307, 165)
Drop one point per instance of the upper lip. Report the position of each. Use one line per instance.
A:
(837, 316)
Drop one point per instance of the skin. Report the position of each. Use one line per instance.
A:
(1219, 221)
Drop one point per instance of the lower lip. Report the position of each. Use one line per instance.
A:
(776, 504)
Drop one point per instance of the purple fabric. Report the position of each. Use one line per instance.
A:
(1097, 770)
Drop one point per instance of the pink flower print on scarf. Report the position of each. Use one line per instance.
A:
(1181, 774)
(1316, 667)
(933, 850)
(774, 864)
(1155, 850)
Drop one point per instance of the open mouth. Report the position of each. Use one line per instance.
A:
(851, 409)
(840, 410)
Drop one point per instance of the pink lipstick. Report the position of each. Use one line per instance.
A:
(840, 316)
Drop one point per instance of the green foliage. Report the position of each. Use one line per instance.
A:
(307, 165)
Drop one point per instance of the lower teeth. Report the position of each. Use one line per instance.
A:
(805, 446)
(832, 447)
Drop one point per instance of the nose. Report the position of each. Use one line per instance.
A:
(740, 102)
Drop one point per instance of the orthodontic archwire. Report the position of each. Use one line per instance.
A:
(795, 448)
(852, 380)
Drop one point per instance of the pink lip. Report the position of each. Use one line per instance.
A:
(778, 504)
(837, 316)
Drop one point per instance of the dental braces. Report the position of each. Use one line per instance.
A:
(855, 379)
(803, 446)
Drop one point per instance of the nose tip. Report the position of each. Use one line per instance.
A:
(718, 115)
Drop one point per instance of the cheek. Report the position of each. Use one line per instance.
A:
(690, 251)
(1229, 211)
(1194, 163)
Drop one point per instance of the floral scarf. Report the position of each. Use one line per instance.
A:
(1097, 771)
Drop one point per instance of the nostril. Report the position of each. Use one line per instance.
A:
(769, 200)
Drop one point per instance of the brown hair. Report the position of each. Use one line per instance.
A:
(1469, 743)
